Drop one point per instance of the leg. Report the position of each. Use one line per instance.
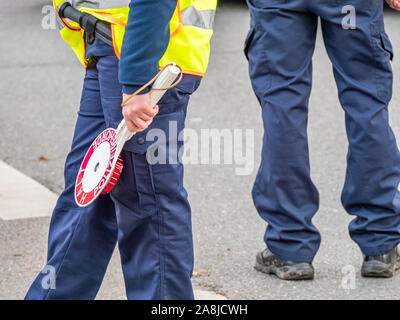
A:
(155, 235)
(81, 240)
(361, 62)
(281, 74)
(153, 213)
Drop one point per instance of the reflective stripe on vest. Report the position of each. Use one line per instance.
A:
(198, 18)
(100, 4)
(190, 27)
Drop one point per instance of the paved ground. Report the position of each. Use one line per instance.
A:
(39, 90)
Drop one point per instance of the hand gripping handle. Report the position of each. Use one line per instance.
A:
(164, 81)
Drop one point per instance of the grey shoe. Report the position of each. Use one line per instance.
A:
(268, 263)
(383, 266)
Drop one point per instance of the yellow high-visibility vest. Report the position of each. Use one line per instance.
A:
(191, 29)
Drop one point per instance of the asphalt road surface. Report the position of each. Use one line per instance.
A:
(40, 87)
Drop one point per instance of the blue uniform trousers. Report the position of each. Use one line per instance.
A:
(280, 47)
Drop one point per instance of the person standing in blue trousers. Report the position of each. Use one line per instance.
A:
(279, 48)
(147, 213)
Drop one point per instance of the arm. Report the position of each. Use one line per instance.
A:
(145, 42)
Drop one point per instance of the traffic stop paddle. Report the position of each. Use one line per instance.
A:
(103, 163)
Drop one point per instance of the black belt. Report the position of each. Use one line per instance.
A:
(94, 28)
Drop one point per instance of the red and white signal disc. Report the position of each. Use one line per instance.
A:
(102, 165)
(115, 176)
(97, 168)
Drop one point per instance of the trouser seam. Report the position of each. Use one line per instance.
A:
(161, 243)
(160, 221)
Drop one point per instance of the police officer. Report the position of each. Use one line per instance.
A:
(279, 48)
(148, 213)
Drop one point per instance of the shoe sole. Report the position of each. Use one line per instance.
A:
(301, 271)
(377, 269)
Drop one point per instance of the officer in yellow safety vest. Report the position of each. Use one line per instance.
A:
(148, 212)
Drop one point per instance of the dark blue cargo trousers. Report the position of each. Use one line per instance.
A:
(279, 48)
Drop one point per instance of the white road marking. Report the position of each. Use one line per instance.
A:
(22, 197)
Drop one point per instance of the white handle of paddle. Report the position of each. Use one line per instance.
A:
(164, 80)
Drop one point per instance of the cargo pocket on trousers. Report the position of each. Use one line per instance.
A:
(387, 45)
(165, 158)
(259, 65)
(384, 55)
(156, 158)
(248, 42)
(134, 189)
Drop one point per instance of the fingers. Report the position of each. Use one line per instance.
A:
(137, 127)
(144, 117)
(140, 124)
(133, 122)
(138, 112)
(130, 125)
(151, 111)
(395, 4)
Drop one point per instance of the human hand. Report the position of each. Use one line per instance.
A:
(138, 112)
(395, 4)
